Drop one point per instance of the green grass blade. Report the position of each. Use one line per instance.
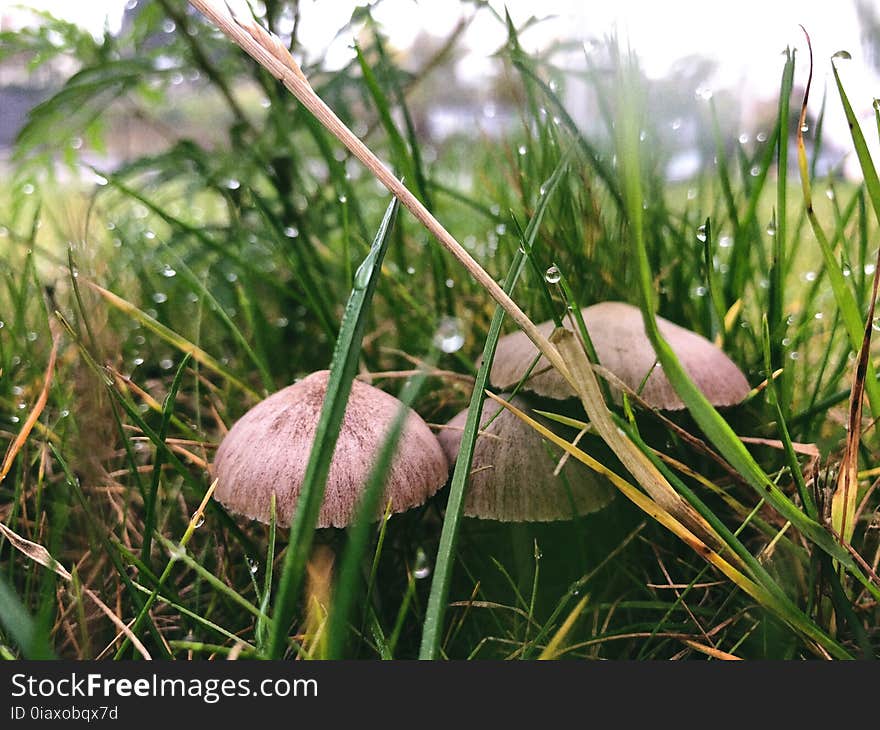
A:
(342, 372)
(20, 627)
(346, 586)
(432, 629)
(150, 502)
(709, 420)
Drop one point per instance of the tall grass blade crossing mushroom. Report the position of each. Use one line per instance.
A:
(618, 334)
(267, 449)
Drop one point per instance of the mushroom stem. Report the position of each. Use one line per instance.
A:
(269, 52)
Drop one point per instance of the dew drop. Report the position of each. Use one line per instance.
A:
(521, 149)
(343, 199)
(168, 272)
(362, 276)
(805, 127)
(829, 193)
(14, 419)
(449, 336)
(137, 361)
(169, 26)
(701, 234)
(233, 184)
(421, 567)
(291, 231)
(552, 275)
(845, 55)
(27, 189)
(253, 566)
(755, 171)
(743, 138)
(200, 520)
(166, 363)
(771, 229)
(810, 276)
(449, 283)
(160, 297)
(282, 322)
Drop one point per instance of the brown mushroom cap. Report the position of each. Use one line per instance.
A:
(618, 335)
(268, 447)
(512, 477)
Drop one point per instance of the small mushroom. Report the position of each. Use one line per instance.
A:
(268, 448)
(512, 471)
(618, 335)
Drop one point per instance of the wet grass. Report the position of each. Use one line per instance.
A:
(190, 283)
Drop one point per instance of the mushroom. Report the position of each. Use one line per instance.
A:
(512, 472)
(618, 335)
(268, 448)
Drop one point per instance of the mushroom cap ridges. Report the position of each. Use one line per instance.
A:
(617, 331)
(267, 450)
(511, 476)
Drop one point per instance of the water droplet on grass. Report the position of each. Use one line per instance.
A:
(448, 337)
(160, 297)
(771, 229)
(253, 566)
(421, 567)
(701, 234)
(552, 275)
(200, 520)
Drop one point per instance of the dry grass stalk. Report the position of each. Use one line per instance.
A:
(268, 50)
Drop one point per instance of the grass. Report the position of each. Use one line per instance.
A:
(194, 281)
